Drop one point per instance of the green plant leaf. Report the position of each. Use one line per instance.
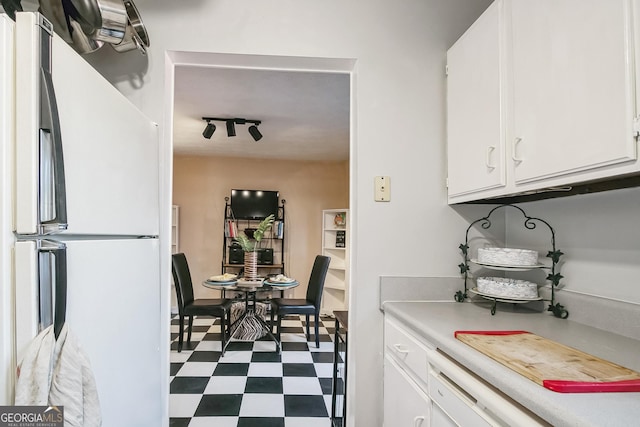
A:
(250, 245)
(264, 225)
(246, 244)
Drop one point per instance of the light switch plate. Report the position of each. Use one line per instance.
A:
(382, 189)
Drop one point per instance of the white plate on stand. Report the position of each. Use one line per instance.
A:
(506, 267)
(500, 298)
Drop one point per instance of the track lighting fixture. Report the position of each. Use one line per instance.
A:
(231, 127)
(255, 133)
(209, 130)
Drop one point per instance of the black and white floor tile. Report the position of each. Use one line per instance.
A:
(252, 385)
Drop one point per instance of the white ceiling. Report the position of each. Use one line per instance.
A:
(304, 114)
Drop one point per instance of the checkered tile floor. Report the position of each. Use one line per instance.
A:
(252, 385)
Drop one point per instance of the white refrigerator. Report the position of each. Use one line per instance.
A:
(79, 221)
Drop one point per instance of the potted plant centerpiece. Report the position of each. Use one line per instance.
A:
(250, 244)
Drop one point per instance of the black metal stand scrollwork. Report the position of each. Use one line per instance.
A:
(530, 223)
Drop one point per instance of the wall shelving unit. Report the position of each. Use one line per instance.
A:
(175, 229)
(335, 244)
(274, 239)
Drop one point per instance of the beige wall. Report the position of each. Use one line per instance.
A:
(200, 185)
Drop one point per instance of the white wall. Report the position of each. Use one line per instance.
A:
(399, 48)
(600, 237)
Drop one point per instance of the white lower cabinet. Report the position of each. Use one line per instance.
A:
(406, 400)
(405, 403)
(440, 418)
(423, 387)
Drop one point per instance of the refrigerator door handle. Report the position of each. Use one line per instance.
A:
(52, 272)
(52, 194)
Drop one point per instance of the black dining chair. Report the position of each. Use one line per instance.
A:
(188, 306)
(308, 306)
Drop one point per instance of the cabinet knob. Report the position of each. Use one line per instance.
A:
(400, 348)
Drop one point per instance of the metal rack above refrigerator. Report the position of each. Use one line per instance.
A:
(554, 254)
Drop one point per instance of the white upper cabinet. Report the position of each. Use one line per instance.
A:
(572, 86)
(636, 51)
(475, 126)
(548, 97)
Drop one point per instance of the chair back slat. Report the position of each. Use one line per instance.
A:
(182, 280)
(316, 280)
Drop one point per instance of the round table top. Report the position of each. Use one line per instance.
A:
(250, 286)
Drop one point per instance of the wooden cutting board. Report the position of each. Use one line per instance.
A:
(551, 364)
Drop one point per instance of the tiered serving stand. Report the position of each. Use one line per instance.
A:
(554, 277)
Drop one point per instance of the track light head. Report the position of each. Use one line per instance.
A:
(255, 133)
(209, 130)
(231, 128)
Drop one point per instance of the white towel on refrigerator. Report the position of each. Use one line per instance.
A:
(57, 372)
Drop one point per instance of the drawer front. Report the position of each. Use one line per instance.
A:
(406, 349)
(454, 403)
(468, 400)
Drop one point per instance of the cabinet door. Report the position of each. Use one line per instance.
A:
(475, 130)
(572, 91)
(439, 418)
(405, 404)
(635, 18)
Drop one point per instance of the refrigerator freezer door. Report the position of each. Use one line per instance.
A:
(52, 284)
(27, 294)
(40, 267)
(113, 308)
(110, 148)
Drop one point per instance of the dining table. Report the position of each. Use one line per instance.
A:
(249, 312)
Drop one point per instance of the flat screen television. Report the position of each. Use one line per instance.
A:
(254, 204)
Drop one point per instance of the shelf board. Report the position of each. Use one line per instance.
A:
(336, 287)
(337, 267)
(226, 264)
(329, 248)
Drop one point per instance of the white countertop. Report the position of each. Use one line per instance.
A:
(436, 322)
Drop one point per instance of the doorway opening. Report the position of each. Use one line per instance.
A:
(288, 161)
